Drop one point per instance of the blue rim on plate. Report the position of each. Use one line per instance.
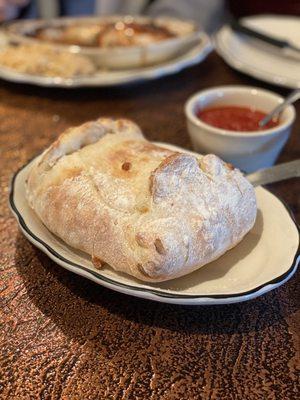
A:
(280, 279)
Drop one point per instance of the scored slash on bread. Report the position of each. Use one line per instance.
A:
(145, 210)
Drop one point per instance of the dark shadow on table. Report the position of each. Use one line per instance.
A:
(76, 305)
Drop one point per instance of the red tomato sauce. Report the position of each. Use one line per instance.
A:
(234, 118)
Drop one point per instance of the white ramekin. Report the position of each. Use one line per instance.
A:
(248, 151)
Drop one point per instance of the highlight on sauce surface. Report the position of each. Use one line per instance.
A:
(235, 118)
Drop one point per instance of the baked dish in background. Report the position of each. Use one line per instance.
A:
(114, 42)
(108, 34)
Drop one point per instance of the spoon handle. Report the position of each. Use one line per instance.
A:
(295, 95)
(276, 173)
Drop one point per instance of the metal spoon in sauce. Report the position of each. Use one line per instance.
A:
(291, 98)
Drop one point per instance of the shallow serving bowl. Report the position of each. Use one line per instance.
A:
(248, 151)
(116, 57)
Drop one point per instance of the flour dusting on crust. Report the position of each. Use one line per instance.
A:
(148, 211)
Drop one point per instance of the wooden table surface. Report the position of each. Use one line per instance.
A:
(64, 337)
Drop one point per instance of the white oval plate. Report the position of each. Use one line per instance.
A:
(193, 56)
(266, 258)
(257, 59)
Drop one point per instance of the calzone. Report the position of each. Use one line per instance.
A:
(137, 207)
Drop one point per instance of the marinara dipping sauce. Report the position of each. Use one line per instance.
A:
(235, 118)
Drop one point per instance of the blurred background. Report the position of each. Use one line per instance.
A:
(210, 14)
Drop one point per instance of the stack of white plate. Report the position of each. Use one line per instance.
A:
(260, 60)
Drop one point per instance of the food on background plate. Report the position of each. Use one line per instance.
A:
(45, 61)
(143, 209)
(77, 35)
(114, 32)
(235, 118)
(107, 35)
(112, 42)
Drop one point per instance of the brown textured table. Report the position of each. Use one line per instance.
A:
(64, 337)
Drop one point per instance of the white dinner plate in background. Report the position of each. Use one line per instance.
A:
(260, 60)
